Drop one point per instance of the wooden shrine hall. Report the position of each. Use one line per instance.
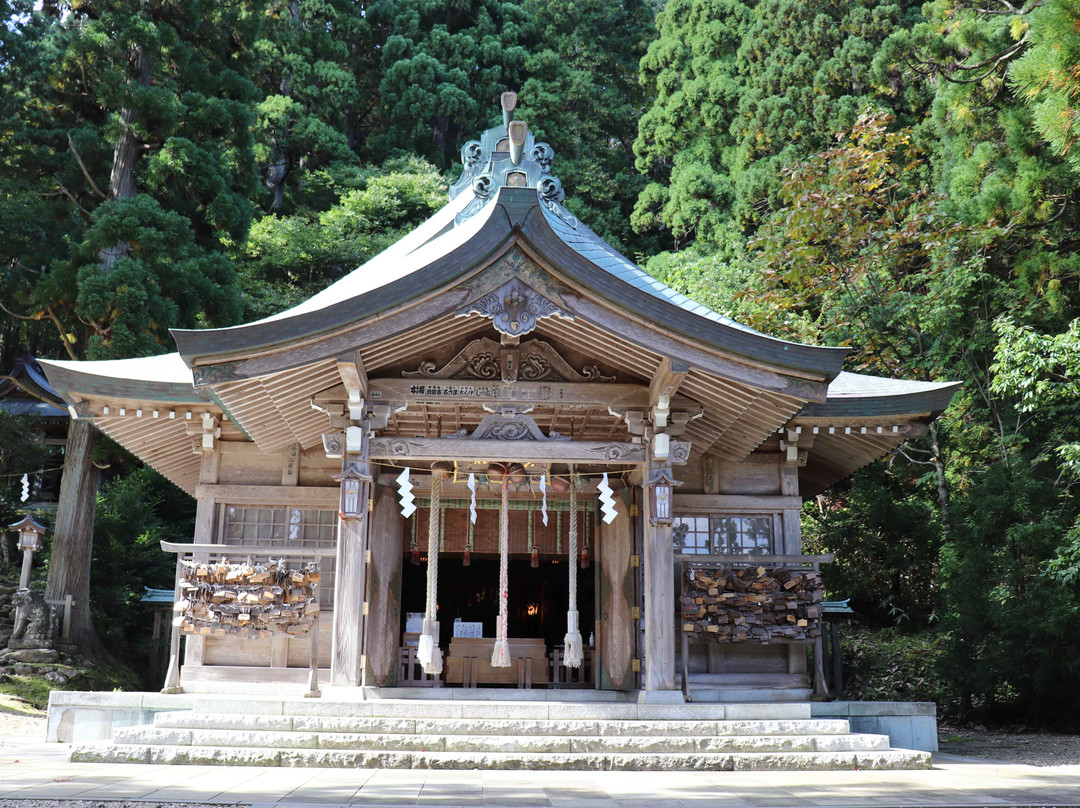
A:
(498, 454)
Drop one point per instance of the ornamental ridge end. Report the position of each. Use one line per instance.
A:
(509, 156)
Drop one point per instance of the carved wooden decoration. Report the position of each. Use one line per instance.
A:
(483, 360)
(509, 425)
(515, 308)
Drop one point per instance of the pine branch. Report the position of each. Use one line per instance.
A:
(82, 167)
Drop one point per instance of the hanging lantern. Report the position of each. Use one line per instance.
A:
(661, 485)
(30, 533)
(352, 504)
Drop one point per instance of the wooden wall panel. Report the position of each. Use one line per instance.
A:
(245, 464)
(615, 645)
(348, 630)
(758, 474)
(387, 541)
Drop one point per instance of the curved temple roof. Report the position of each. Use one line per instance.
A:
(495, 202)
(421, 294)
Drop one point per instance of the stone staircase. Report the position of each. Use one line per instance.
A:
(461, 734)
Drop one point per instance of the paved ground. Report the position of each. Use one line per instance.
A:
(41, 773)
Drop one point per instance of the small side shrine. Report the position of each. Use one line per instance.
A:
(497, 454)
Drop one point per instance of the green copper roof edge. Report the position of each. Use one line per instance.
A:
(522, 216)
(934, 401)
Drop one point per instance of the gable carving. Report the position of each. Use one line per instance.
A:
(509, 424)
(486, 360)
(515, 308)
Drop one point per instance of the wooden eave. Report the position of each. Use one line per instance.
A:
(158, 432)
(863, 420)
(150, 418)
(439, 288)
(276, 409)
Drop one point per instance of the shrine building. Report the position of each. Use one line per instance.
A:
(499, 454)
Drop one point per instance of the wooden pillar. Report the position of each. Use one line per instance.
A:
(205, 527)
(346, 665)
(616, 641)
(208, 431)
(384, 592)
(659, 602)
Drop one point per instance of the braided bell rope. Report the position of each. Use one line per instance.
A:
(428, 652)
(572, 656)
(500, 656)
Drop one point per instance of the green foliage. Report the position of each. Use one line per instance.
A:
(20, 452)
(1048, 74)
(743, 88)
(289, 258)
(894, 664)
(317, 70)
(1042, 374)
(583, 98)
(134, 514)
(1012, 647)
(131, 139)
(886, 539)
(869, 256)
(443, 67)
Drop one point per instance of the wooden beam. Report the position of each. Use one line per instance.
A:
(735, 502)
(666, 380)
(441, 391)
(522, 451)
(351, 369)
(280, 495)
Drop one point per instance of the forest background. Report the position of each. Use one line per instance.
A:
(896, 177)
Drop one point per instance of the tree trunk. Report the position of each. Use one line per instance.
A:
(125, 154)
(69, 563)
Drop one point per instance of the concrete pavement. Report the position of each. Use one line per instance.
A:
(41, 772)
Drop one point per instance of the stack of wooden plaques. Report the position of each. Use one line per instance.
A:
(247, 600)
(752, 604)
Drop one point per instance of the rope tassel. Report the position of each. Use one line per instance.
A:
(572, 656)
(500, 657)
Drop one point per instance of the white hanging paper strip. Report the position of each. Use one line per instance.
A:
(472, 498)
(26, 488)
(543, 504)
(607, 501)
(408, 501)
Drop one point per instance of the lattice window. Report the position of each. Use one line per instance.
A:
(286, 527)
(742, 534)
(719, 535)
(691, 534)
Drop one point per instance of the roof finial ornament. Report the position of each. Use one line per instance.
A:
(508, 156)
(517, 131)
(508, 101)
